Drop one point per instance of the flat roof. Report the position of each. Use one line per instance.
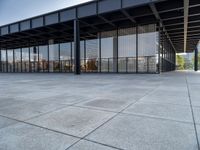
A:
(103, 15)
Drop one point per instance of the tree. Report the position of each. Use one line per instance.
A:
(180, 62)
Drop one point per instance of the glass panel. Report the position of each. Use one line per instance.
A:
(43, 59)
(92, 55)
(25, 59)
(34, 59)
(17, 53)
(3, 60)
(72, 56)
(82, 57)
(168, 55)
(65, 57)
(147, 48)
(10, 60)
(127, 50)
(108, 51)
(54, 65)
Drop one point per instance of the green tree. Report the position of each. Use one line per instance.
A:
(180, 62)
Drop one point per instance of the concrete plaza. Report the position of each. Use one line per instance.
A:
(100, 111)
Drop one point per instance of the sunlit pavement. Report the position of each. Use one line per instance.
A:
(100, 111)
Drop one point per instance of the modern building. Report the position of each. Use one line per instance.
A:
(104, 36)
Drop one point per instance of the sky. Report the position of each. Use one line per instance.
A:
(15, 10)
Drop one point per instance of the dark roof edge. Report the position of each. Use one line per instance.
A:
(70, 7)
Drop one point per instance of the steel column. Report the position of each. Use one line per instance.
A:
(196, 59)
(76, 47)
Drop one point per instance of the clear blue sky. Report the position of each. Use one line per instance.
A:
(15, 10)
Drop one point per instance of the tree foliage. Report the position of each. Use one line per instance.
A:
(180, 62)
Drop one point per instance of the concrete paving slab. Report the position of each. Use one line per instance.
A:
(28, 110)
(26, 137)
(195, 100)
(106, 104)
(198, 131)
(165, 99)
(144, 133)
(65, 99)
(4, 122)
(166, 111)
(73, 120)
(8, 102)
(141, 133)
(87, 145)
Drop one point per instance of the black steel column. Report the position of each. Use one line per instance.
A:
(196, 59)
(76, 47)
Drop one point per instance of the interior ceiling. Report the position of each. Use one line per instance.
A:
(170, 13)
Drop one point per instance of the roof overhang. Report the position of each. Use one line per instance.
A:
(104, 15)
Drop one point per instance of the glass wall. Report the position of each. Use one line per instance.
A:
(54, 63)
(43, 59)
(34, 57)
(25, 59)
(17, 56)
(127, 50)
(92, 55)
(10, 61)
(121, 50)
(109, 51)
(66, 57)
(82, 56)
(3, 61)
(198, 50)
(147, 48)
(168, 55)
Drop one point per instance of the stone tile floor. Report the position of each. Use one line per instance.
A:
(100, 111)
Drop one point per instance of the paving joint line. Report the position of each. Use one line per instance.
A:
(135, 114)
